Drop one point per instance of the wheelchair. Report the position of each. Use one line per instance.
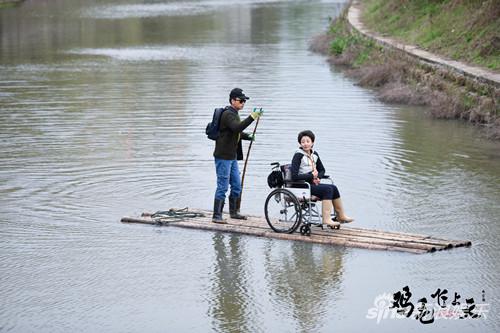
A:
(290, 203)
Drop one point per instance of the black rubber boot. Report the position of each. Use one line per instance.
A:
(233, 209)
(218, 207)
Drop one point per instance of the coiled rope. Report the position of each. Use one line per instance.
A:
(174, 215)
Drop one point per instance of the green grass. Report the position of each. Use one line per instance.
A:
(339, 45)
(343, 40)
(464, 30)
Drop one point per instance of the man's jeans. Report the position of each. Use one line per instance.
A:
(227, 173)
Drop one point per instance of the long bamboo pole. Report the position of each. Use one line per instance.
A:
(246, 162)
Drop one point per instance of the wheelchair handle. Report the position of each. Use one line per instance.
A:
(275, 163)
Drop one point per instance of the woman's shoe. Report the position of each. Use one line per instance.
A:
(333, 224)
(345, 219)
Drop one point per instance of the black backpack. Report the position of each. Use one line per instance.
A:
(275, 179)
(212, 130)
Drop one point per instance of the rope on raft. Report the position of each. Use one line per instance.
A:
(174, 215)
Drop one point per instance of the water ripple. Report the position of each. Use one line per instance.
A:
(185, 8)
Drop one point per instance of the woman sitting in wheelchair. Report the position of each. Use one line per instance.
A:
(307, 166)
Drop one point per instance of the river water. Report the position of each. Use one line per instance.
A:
(103, 106)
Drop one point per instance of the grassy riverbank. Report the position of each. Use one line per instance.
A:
(402, 79)
(462, 30)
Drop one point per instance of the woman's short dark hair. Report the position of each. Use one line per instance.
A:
(308, 133)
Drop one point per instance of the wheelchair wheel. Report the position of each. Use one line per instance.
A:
(282, 209)
(305, 230)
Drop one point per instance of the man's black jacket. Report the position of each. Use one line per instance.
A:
(228, 144)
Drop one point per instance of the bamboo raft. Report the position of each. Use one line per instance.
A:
(345, 236)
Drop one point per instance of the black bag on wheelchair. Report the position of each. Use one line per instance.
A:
(275, 179)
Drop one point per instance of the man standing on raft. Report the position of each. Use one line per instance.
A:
(228, 151)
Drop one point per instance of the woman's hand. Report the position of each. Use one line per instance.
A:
(316, 180)
(315, 173)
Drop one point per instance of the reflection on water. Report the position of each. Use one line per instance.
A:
(304, 280)
(102, 114)
(167, 9)
(149, 10)
(301, 282)
(214, 56)
(230, 304)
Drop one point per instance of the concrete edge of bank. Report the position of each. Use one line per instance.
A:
(476, 73)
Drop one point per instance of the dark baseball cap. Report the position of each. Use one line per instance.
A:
(237, 93)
